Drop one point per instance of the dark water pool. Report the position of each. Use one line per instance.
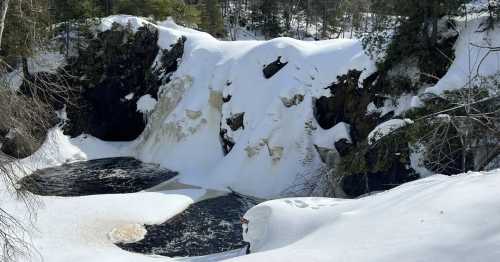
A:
(207, 227)
(102, 176)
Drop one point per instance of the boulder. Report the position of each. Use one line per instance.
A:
(344, 146)
(236, 121)
(273, 68)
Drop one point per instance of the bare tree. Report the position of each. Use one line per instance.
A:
(3, 14)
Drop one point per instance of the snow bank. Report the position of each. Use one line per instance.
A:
(438, 218)
(275, 145)
(59, 149)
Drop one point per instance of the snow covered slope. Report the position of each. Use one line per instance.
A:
(216, 83)
(438, 218)
(472, 56)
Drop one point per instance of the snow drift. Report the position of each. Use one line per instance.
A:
(439, 218)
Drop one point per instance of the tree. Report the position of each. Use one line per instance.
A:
(159, 10)
(25, 27)
(3, 14)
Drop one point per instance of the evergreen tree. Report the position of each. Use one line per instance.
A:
(211, 18)
(159, 10)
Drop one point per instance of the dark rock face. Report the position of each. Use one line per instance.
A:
(359, 184)
(387, 166)
(226, 141)
(113, 73)
(207, 227)
(343, 146)
(116, 63)
(365, 168)
(103, 176)
(236, 121)
(18, 147)
(170, 60)
(273, 68)
(347, 104)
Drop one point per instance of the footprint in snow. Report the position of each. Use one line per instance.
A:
(301, 204)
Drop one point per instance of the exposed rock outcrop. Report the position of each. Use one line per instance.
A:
(273, 68)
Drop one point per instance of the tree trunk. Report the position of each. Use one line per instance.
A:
(434, 35)
(3, 13)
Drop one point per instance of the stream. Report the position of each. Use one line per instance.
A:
(207, 227)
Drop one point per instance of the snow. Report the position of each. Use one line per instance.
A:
(469, 56)
(84, 228)
(126, 20)
(397, 105)
(42, 61)
(439, 218)
(386, 128)
(59, 149)
(46, 61)
(146, 104)
(277, 144)
(417, 161)
(434, 219)
(328, 138)
(129, 96)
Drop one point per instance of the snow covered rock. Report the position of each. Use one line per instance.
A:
(387, 128)
(236, 127)
(146, 104)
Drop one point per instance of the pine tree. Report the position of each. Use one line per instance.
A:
(211, 18)
(272, 23)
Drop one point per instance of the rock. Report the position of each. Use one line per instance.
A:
(359, 184)
(347, 103)
(227, 142)
(252, 151)
(387, 165)
(328, 156)
(227, 99)
(116, 63)
(216, 100)
(18, 146)
(343, 146)
(193, 114)
(276, 153)
(170, 59)
(295, 100)
(273, 68)
(236, 121)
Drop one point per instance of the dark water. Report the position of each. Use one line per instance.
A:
(103, 176)
(207, 227)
